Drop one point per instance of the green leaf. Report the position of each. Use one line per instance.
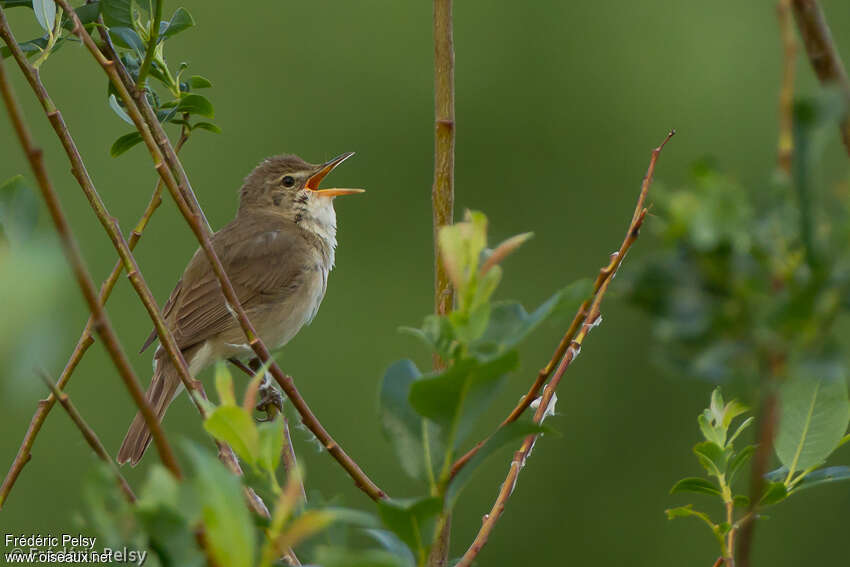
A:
(128, 39)
(234, 426)
(119, 110)
(45, 13)
(15, 4)
(163, 517)
(87, 13)
(124, 143)
(436, 332)
(504, 435)
(270, 444)
(181, 20)
(196, 104)
(510, 324)
(739, 460)
(456, 397)
(401, 424)
(344, 557)
(229, 529)
(699, 485)
(412, 520)
(199, 82)
(30, 47)
(744, 424)
(209, 126)
(774, 493)
(391, 542)
(18, 209)
(117, 12)
(224, 385)
(825, 475)
(814, 412)
(711, 457)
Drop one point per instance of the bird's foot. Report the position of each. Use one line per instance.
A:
(270, 400)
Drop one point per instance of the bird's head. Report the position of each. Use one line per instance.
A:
(289, 186)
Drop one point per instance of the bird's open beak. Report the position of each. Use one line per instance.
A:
(324, 169)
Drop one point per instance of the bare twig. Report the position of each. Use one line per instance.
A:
(823, 55)
(89, 435)
(83, 343)
(442, 194)
(110, 224)
(195, 222)
(785, 148)
(581, 314)
(102, 325)
(442, 200)
(767, 421)
(590, 320)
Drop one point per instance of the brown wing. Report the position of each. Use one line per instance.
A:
(262, 266)
(166, 309)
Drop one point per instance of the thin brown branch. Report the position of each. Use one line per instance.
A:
(83, 343)
(785, 148)
(195, 222)
(582, 313)
(767, 421)
(442, 193)
(823, 55)
(110, 224)
(442, 200)
(89, 435)
(605, 277)
(102, 325)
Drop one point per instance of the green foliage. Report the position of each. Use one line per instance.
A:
(413, 521)
(815, 413)
(131, 29)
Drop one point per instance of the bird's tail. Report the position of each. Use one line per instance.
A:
(164, 387)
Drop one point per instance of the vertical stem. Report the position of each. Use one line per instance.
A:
(153, 39)
(442, 194)
(822, 53)
(785, 148)
(442, 199)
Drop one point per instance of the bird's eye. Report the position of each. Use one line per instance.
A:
(288, 181)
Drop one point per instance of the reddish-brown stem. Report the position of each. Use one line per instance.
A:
(546, 399)
(785, 149)
(83, 343)
(89, 435)
(582, 312)
(823, 55)
(195, 222)
(442, 193)
(102, 324)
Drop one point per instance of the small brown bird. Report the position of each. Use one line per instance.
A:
(277, 252)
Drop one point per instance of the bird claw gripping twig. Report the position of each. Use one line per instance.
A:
(270, 400)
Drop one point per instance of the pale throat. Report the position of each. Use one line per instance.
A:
(318, 216)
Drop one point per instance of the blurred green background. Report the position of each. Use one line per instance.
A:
(558, 107)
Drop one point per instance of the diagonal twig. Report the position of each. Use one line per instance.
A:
(83, 343)
(580, 316)
(606, 274)
(195, 222)
(36, 159)
(110, 224)
(88, 433)
(823, 55)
